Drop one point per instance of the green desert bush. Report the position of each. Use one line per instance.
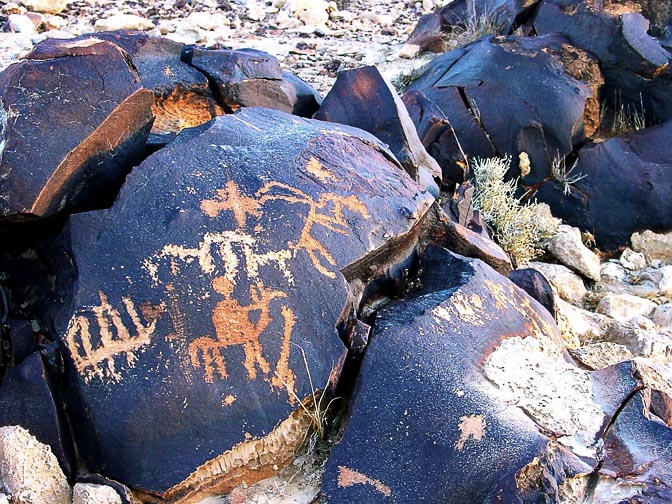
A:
(520, 229)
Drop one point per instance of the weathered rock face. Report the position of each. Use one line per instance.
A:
(635, 65)
(182, 95)
(364, 99)
(28, 469)
(536, 95)
(422, 396)
(251, 78)
(625, 187)
(224, 260)
(61, 155)
(29, 401)
(637, 454)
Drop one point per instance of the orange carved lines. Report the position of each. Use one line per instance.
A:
(230, 198)
(328, 212)
(114, 338)
(233, 326)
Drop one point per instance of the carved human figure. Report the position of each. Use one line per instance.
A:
(236, 324)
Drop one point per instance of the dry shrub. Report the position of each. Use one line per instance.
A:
(520, 229)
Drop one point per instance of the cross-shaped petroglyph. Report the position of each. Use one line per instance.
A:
(230, 198)
(234, 326)
(114, 338)
(328, 212)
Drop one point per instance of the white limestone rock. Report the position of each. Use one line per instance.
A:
(568, 248)
(624, 307)
(579, 326)
(533, 374)
(656, 345)
(47, 6)
(632, 260)
(20, 23)
(601, 354)
(123, 22)
(662, 316)
(655, 247)
(29, 470)
(89, 493)
(567, 284)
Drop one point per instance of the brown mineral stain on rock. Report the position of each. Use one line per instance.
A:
(471, 427)
(348, 477)
(182, 109)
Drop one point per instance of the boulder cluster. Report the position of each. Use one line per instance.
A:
(218, 286)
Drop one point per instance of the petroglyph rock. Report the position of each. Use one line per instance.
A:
(422, 396)
(60, 154)
(28, 469)
(224, 260)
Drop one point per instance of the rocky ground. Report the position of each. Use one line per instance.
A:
(312, 38)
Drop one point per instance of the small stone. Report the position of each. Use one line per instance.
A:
(601, 355)
(29, 470)
(48, 6)
(123, 22)
(568, 248)
(409, 51)
(4, 499)
(20, 23)
(632, 260)
(662, 316)
(566, 283)
(379, 19)
(665, 280)
(623, 307)
(642, 342)
(654, 246)
(342, 15)
(578, 325)
(88, 493)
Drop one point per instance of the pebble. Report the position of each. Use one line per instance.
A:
(123, 22)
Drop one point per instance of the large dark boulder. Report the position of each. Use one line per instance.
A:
(537, 95)
(425, 424)
(635, 65)
(626, 186)
(229, 256)
(182, 94)
(364, 99)
(253, 78)
(65, 152)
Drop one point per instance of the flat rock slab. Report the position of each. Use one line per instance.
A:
(74, 119)
(182, 94)
(425, 424)
(625, 187)
(203, 287)
(536, 95)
